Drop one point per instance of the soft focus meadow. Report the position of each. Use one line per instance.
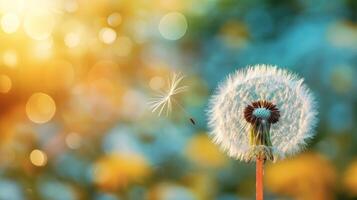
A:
(76, 76)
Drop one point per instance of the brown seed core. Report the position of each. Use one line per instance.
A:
(248, 112)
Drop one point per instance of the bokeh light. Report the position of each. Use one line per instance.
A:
(40, 108)
(173, 26)
(43, 49)
(38, 158)
(10, 22)
(9, 58)
(157, 83)
(114, 19)
(72, 39)
(73, 140)
(124, 46)
(5, 83)
(107, 35)
(14, 6)
(71, 6)
(39, 26)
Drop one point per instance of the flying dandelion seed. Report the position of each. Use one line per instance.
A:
(164, 101)
(192, 121)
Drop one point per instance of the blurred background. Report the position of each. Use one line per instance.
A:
(76, 76)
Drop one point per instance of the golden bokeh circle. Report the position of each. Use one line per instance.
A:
(114, 19)
(40, 108)
(9, 58)
(107, 35)
(38, 158)
(10, 22)
(5, 83)
(39, 26)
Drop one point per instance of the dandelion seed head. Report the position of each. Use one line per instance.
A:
(262, 92)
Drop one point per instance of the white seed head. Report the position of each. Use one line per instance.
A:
(297, 106)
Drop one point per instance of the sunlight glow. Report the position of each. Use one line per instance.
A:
(10, 23)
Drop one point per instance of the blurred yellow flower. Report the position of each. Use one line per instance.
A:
(203, 185)
(204, 153)
(234, 34)
(306, 177)
(118, 171)
(350, 179)
(170, 191)
(342, 34)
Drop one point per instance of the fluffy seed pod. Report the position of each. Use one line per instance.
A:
(262, 111)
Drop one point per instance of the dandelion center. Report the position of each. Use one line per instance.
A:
(261, 110)
(262, 113)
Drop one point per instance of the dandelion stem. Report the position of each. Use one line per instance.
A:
(259, 178)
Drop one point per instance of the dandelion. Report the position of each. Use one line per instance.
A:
(262, 113)
(164, 101)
